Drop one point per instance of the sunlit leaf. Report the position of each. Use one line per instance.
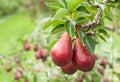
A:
(47, 24)
(51, 44)
(61, 13)
(55, 6)
(73, 4)
(52, 23)
(82, 9)
(82, 20)
(69, 27)
(58, 28)
(63, 3)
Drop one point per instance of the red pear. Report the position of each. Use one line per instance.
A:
(82, 58)
(69, 68)
(62, 51)
(103, 63)
(106, 80)
(38, 54)
(26, 80)
(41, 53)
(26, 46)
(36, 47)
(17, 75)
(101, 71)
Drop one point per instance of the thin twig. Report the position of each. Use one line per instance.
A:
(38, 28)
(96, 6)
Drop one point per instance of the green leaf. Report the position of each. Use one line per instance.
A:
(103, 32)
(52, 23)
(57, 22)
(82, 9)
(35, 78)
(82, 20)
(47, 24)
(63, 3)
(118, 60)
(117, 74)
(102, 37)
(57, 29)
(52, 43)
(90, 43)
(82, 35)
(75, 15)
(73, 4)
(69, 27)
(55, 6)
(61, 13)
(108, 14)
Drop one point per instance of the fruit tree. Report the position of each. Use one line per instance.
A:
(78, 41)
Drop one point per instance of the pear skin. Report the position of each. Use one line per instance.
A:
(61, 52)
(69, 69)
(82, 58)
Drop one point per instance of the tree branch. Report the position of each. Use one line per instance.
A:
(96, 6)
(96, 20)
(38, 28)
(112, 29)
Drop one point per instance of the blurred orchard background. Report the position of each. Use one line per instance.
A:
(19, 23)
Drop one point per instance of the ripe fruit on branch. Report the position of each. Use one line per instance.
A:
(106, 80)
(41, 53)
(26, 46)
(26, 80)
(38, 54)
(62, 51)
(36, 47)
(17, 75)
(82, 58)
(81, 79)
(69, 68)
(101, 71)
(103, 63)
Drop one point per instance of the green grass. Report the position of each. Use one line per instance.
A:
(13, 28)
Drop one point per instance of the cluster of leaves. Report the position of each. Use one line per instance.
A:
(65, 16)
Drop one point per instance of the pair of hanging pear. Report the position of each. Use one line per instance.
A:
(70, 60)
